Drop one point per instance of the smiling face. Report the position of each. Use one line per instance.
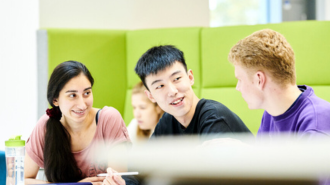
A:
(171, 89)
(145, 112)
(75, 100)
(249, 85)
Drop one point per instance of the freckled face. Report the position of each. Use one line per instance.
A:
(75, 99)
(246, 84)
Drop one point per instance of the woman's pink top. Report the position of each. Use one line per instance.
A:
(110, 127)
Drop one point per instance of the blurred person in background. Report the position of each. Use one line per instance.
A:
(146, 115)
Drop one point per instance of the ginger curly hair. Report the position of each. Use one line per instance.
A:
(266, 50)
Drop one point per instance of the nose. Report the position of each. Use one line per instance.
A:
(81, 103)
(172, 90)
(237, 86)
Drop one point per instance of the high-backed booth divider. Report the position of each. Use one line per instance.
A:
(111, 56)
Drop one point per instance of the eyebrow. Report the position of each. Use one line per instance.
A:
(71, 91)
(176, 72)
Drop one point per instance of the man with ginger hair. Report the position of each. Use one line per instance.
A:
(265, 68)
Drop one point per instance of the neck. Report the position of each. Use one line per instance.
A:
(281, 98)
(186, 119)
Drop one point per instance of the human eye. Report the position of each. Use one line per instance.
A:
(177, 78)
(142, 107)
(159, 87)
(72, 95)
(87, 93)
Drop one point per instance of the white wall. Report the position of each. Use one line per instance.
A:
(327, 10)
(18, 111)
(323, 10)
(123, 14)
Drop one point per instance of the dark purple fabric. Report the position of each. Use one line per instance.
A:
(308, 117)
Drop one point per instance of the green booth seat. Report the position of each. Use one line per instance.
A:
(102, 51)
(111, 56)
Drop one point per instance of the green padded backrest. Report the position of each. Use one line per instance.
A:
(309, 40)
(104, 54)
(139, 41)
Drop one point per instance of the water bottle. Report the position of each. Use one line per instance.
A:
(15, 153)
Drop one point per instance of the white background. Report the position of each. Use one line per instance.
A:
(19, 21)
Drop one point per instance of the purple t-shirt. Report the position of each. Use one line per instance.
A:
(309, 116)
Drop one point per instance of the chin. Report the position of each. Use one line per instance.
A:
(142, 128)
(253, 107)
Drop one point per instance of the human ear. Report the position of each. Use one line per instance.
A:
(55, 102)
(191, 77)
(149, 95)
(260, 79)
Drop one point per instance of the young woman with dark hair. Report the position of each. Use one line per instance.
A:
(65, 138)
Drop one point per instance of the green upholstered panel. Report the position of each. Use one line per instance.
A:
(231, 98)
(104, 54)
(309, 39)
(186, 39)
(322, 92)
(128, 112)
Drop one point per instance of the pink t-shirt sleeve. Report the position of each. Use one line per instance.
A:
(113, 126)
(35, 143)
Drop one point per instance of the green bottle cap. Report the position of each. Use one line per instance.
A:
(15, 141)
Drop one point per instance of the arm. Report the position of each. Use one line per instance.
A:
(30, 171)
(219, 119)
(213, 124)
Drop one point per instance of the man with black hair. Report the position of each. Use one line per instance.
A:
(163, 71)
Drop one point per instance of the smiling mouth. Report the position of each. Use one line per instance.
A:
(177, 101)
(78, 112)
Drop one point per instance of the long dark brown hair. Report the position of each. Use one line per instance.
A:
(59, 162)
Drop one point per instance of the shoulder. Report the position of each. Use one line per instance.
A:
(315, 110)
(132, 127)
(109, 112)
(164, 125)
(41, 124)
(313, 105)
(165, 119)
(40, 128)
(266, 121)
(111, 124)
(110, 118)
(35, 143)
(212, 107)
